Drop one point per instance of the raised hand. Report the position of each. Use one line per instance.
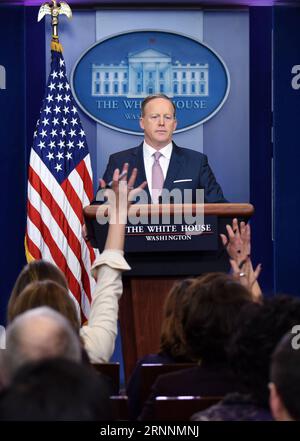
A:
(237, 243)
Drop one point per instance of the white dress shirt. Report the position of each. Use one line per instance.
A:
(164, 161)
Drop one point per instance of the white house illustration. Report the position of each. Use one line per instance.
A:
(149, 72)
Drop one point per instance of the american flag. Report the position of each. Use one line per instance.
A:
(59, 186)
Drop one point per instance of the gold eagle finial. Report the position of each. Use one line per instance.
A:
(55, 9)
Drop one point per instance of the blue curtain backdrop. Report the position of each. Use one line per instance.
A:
(13, 161)
(286, 148)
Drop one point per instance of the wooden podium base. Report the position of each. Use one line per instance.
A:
(140, 314)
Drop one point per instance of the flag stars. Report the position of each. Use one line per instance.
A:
(51, 144)
(58, 98)
(72, 133)
(41, 145)
(43, 133)
(60, 155)
(50, 156)
(49, 98)
(58, 167)
(59, 133)
(57, 110)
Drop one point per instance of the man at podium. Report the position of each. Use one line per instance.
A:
(162, 163)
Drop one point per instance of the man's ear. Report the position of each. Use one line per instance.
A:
(142, 123)
(276, 405)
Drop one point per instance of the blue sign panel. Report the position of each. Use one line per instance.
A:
(111, 78)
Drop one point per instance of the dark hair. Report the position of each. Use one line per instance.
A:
(172, 339)
(33, 272)
(209, 319)
(44, 293)
(56, 390)
(153, 97)
(285, 374)
(260, 328)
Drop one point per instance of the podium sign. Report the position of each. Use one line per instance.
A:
(172, 237)
(170, 249)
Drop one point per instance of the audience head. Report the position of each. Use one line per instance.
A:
(210, 315)
(172, 339)
(44, 293)
(285, 380)
(39, 333)
(259, 329)
(35, 271)
(56, 390)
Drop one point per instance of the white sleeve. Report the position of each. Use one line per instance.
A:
(100, 333)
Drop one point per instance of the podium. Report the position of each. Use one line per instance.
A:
(154, 270)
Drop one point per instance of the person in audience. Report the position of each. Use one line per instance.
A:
(285, 380)
(259, 328)
(37, 270)
(209, 319)
(56, 390)
(172, 342)
(99, 334)
(38, 334)
(45, 293)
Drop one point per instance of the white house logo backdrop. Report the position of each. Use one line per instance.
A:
(113, 76)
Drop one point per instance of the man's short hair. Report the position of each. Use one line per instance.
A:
(285, 374)
(154, 97)
(37, 334)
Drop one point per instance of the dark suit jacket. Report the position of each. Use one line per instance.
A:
(184, 164)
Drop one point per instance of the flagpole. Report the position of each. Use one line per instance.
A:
(55, 10)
